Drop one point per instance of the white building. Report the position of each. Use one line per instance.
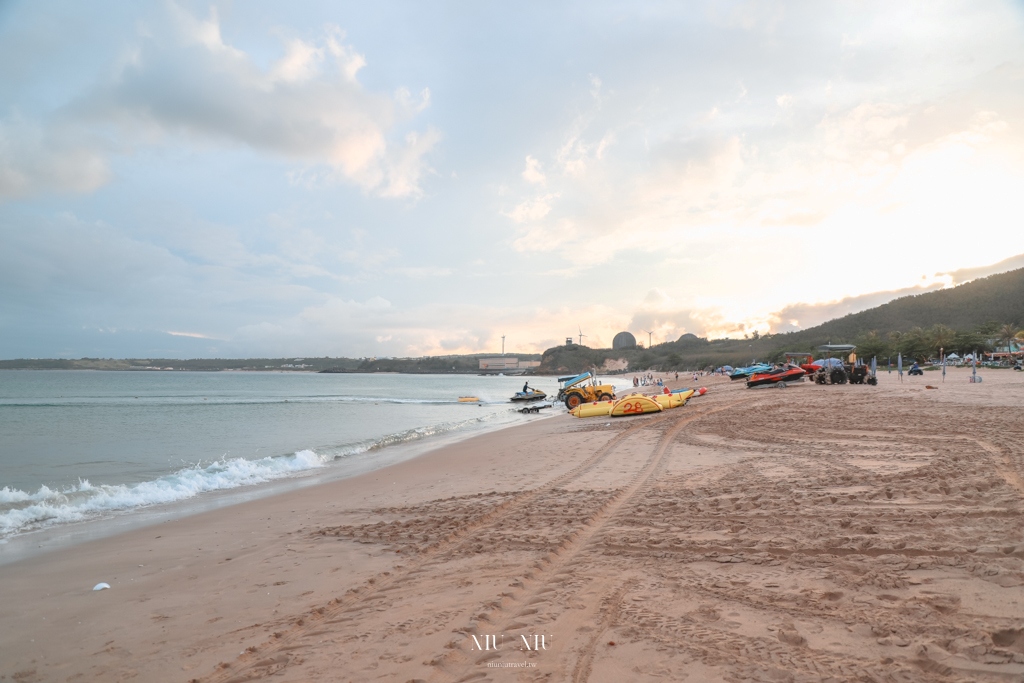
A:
(506, 363)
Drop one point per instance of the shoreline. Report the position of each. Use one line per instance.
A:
(317, 459)
(804, 534)
(27, 544)
(175, 553)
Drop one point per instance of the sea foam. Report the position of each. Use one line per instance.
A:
(24, 511)
(21, 511)
(27, 511)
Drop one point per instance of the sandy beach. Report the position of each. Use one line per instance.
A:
(806, 534)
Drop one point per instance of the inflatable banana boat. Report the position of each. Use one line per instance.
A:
(635, 404)
(595, 409)
(673, 400)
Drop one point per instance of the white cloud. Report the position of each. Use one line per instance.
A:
(307, 107)
(182, 82)
(36, 158)
(301, 62)
(574, 156)
(412, 104)
(193, 335)
(533, 173)
(420, 272)
(532, 210)
(761, 16)
(545, 238)
(690, 158)
(404, 167)
(852, 168)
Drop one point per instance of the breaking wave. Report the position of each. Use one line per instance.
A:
(22, 511)
(45, 507)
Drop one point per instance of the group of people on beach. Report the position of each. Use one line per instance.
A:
(649, 379)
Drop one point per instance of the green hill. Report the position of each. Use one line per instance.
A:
(976, 315)
(997, 298)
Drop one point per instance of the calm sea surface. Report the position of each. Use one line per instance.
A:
(76, 445)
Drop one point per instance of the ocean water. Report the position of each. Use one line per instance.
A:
(78, 445)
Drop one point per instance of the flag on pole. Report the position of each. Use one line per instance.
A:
(899, 365)
(874, 366)
(943, 354)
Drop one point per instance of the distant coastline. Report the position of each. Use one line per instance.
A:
(971, 317)
(434, 365)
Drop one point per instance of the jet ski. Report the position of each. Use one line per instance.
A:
(787, 373)
(531, 395)
(743, 373)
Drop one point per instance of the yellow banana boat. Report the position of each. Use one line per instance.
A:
(595, 409)
(468, 399)
(667, 401)
(635, 404)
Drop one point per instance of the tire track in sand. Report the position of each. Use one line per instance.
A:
(555, 563)
(257, 662)
(1004, 466)
(1003, 462)
(613, 605)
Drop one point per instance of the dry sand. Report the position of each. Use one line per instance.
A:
(806, 534)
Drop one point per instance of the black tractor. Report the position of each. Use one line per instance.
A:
(851, 371)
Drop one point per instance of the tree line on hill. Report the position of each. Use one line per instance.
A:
(921, 344)
(695, 353)
(981, 315)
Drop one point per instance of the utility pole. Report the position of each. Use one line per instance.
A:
(503, 345)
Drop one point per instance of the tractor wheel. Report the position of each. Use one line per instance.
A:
(872, 381)
(820, 377)
(604, 397)
(838, 376)
(573, 400)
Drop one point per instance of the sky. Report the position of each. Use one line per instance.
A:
(242, 179)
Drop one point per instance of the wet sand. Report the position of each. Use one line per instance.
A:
(800, 534)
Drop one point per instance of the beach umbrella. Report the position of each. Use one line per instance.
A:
(874, 366)
(899, 365)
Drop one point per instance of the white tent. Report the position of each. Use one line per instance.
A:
(952, 356)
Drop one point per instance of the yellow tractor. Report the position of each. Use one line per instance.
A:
(583, 389)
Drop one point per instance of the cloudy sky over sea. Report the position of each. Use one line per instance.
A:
(408, 178)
